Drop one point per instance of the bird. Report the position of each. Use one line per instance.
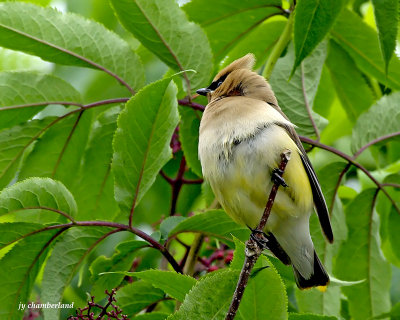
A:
(242, 134)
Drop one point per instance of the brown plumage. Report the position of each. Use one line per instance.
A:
(242, 133)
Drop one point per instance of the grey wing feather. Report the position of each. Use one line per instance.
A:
(319, 200)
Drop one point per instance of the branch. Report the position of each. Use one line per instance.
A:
(253, 249)
(193, 105)
(354, 163)
(388, 136)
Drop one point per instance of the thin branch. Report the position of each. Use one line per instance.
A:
(66, 143)
(40, 104)
(177, 186)
(253, 249)
(108, 224)
(43, 208)
(377, 140)
(103, 102)
(306, 103)
(193, 105)
(354, 163)
(389, 184)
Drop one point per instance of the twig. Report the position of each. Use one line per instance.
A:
(253, 250)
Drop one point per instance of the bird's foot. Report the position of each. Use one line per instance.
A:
(276, 177)
(260, 238)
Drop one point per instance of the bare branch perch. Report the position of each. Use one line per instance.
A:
(253, 249)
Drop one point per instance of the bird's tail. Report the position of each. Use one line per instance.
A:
(319, 276)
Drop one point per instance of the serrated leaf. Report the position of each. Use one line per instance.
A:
(313, 20)
(269, 31)
(351, 87)
(163, 28)
(228, 21)
(298, 316)
(11, 232)
(390, 220)
(59, 151)
(387, 20)
(189, 137)
(380, 121)
(24, 88)
(152, 316)
(64, 260)
(214, 222)
(94, 189)
(362, 249)
(290, 94)
(21, 273)
(255, 304)
(174, 284)
(68, 39)
(13, 143)
(209, 298)
(141, 142)
(35, 193)
(136, 296)
(364, 50)
(168, 224)
(121, 260)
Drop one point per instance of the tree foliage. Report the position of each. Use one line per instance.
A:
(101, 184)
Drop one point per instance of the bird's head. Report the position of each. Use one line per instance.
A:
(239, 79)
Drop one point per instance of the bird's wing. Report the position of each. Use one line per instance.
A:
(319, 200)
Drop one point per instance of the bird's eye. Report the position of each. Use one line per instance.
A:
(219, 83)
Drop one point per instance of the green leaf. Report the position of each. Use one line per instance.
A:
(379, 122)
(136, 296)
(168, 224)
(20, 266)
(121, 260)
(13, 143)
(214, 222)
(67, 255)
(94, 188)
(364, 50)
(141, 143)
(387, 20)
(298, 316)
(174, 284)
(254, 304)
(209, 298)
(390, 220)
(152, 316)
(362, 250)
(312, 21)
(228, 21)
(269, 31)
(25, 88)
(394, 314)
(58, 152)
(11, 60)
(68, 39)
(37, 197)
(189, 137)
(290, 94)
(12, 232)
(162, 27)
(351, 87)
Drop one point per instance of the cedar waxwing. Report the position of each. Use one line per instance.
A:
(243, 131)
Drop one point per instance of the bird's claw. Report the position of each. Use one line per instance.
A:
(260, 238)
(276, 177)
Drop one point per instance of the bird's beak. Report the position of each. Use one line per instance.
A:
(203, 91)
